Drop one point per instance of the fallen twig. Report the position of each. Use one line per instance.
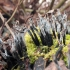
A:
(6, 23)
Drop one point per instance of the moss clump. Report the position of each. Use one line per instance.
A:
(35, 51)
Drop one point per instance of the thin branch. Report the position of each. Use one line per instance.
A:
(22, 6)
(1, 29)
(13, 13)
(2, 18)
(52, 3)
(41, 3)
(30, 10)
(59, 4)
(6, 23)
(65, 6)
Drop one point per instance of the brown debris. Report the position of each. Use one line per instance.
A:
(52, 66)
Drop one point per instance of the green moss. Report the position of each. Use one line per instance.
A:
(35, 51)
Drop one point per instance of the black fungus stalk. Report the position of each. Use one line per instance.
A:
(42, 38)
(36, 38)
(21, 51)
(32, 37)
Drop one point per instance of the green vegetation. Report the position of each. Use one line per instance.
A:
(35, 51)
